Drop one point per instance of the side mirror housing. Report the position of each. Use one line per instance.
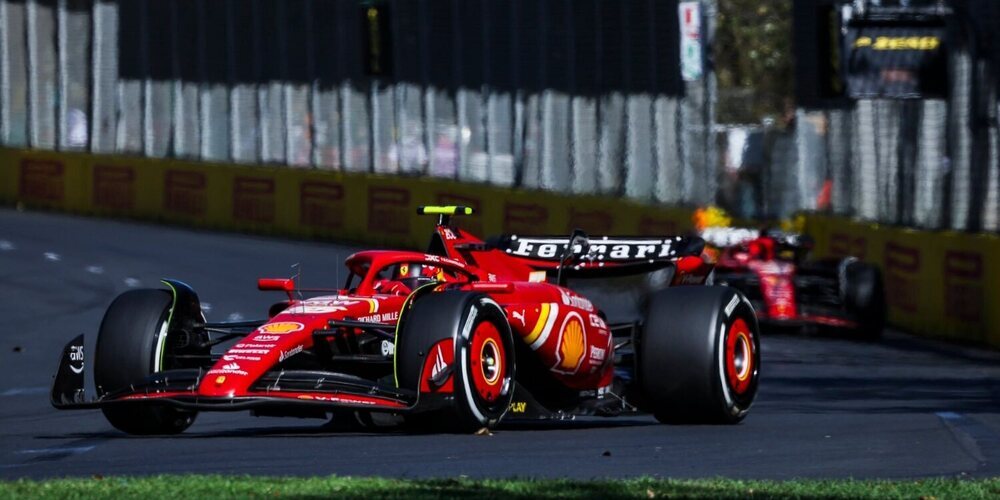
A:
(276, 284)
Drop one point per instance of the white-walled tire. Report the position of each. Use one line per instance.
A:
(481, 359)
(698, 355)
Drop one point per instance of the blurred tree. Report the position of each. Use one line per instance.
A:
(753, 61)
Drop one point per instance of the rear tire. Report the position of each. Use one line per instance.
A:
(864, 297)
(482, 366)
(127, 352)
(698, 355)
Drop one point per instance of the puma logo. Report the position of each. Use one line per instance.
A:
(518, 316)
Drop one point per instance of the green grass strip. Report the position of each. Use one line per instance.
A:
(217, 486)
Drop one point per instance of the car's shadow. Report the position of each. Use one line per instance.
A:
(384, 430)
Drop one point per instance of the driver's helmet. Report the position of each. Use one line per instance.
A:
(709, 217)
(415, 275)
(408, 276)
(761, 249)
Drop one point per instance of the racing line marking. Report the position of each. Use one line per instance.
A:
(95, 269)
(54, 257)
(6, 246)
(67, 450)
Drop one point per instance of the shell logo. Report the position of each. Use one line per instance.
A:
(572, 345)
(281, 327)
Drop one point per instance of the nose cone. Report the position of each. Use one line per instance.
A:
(254, 356)
(225, 380)
(287, 334)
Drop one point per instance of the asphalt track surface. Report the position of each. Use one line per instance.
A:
(828, 407)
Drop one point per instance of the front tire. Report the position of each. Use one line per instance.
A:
(698, 355)
(130, 347)
(480, 357)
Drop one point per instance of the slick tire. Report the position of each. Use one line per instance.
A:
(129, 348)
(864, 298)
(698, 355)
(480, 359)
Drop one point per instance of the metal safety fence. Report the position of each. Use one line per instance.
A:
(579, 96)
(925, 163)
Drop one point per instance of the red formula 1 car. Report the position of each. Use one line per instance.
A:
(457, 338)
(771, 268)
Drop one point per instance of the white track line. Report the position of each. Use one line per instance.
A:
(73, 450)
(22, 391)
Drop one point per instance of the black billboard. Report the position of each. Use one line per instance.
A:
(895, 61)
(844, 52)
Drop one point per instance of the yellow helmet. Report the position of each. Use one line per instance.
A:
(710, 216)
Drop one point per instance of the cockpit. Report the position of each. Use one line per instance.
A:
(398, 273)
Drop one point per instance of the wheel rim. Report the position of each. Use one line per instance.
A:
(740, 356)
(488, 362)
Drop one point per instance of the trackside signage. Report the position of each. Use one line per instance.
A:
(185, 193)
(691, 57)
(42, 180)
(114, 187)
(941, 284)
(963, 286)
(321, 204)
(370, 209)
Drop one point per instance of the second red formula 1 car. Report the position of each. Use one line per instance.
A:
(788, 290)
(458, 338)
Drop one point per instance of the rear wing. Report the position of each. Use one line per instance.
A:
(728, 237)
(602, 255)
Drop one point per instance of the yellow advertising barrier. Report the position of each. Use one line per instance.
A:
(937, 283)
(306, 203)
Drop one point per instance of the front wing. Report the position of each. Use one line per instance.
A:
(324, 391)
